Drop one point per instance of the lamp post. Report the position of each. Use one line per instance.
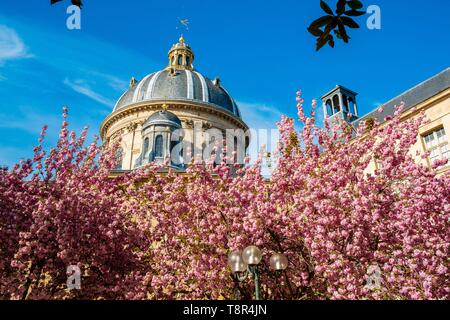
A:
(244, 263)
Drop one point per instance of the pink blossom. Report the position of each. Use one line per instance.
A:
(145, 235)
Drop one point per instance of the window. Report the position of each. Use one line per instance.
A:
(119, 159)
(336, 104)
(329, 107)
(436, 143)
(159, 146)
(352, 106)
(345, 103)
(146, 144)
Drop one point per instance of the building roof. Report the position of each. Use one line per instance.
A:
(337, 88)
(163, 118)
(412, 97)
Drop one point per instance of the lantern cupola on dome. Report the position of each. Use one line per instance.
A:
(181, 56)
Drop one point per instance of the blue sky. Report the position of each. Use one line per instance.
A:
(260, 49)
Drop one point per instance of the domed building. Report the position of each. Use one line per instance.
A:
(172, 113)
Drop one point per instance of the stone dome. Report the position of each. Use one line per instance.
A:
(179, 81)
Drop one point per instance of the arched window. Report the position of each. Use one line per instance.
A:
(159, 146)
(187, 61)
(336, 104)
(344, 97)
(180, 60)
(119, 159)
(145, 148)
(329, 107)
(352, 107)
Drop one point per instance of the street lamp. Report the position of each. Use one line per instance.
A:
(247, 263)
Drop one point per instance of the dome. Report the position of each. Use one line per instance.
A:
(185, 85)
(163, 118)
(179, 82)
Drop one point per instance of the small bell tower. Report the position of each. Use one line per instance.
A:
(340, 103)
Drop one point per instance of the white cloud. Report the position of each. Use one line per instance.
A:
(112, 81)
(259, 115)
(29, 121)
(11, 45)
(80, 86)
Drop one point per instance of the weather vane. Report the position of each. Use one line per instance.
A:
(183, 24)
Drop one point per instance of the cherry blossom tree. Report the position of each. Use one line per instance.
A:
(148, 235)
(321, 208)
(61, 209)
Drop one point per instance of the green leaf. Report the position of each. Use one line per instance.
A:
(355, 4)
(350, 22)
(325, 7)
(354, 13)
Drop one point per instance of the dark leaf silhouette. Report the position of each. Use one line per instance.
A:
(315, 31)
(331, 42)
(323, 21)
(354, 13)
(342, 32)
(355, 4)
(323, 41)
(325, 7)
(337, 22)
(77, 3)
(340, 6)
(349, 22)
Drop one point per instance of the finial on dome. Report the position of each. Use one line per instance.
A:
(181, 40)
(216, 81)
(132, 82)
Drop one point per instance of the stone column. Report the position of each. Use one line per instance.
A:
(341, 102)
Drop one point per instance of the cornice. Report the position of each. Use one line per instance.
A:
(173, 105)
